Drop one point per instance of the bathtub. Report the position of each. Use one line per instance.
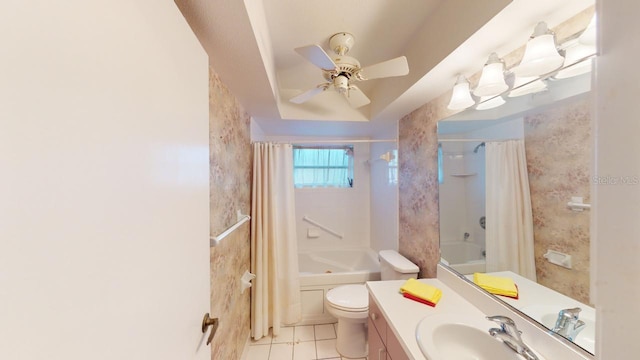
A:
(321, 271)
(464, 257)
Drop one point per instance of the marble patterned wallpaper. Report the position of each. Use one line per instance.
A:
(419, 229)
(230, 190)
(558, 149)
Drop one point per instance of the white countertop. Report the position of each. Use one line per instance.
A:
(533, 296)
(403, 315)
(531, 293)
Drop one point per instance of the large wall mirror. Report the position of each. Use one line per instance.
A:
(554, 124)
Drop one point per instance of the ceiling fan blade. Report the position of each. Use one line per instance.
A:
(317, 56)
(356, 97)
(307, 95)
(389, 68)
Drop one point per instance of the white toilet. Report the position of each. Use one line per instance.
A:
(350, 304)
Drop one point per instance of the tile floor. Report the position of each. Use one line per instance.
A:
(308, 342)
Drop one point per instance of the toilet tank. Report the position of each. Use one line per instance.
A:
(394, 266)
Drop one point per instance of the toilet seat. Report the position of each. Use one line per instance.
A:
(351, 298)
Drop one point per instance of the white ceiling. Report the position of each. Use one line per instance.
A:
(250, 45)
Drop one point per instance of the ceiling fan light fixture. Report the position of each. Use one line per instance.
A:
(461, 96)
(341, 84)
(341, 70)
(492, 81)
(541, 55)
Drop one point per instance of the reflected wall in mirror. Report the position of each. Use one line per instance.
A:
(557, 139)
(556, 129)
(423, 217)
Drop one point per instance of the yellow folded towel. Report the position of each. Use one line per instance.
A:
(496, 284)
(420, 290)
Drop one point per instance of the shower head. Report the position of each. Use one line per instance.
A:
(475, 151)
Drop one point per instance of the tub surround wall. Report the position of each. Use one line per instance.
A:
(454, 221)
(384, 195)
(343, 210)
(558, 149)
(475, 190)
(367, 215)
(230, 190)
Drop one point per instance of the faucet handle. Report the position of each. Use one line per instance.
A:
(565, 316)
(503, 321)
(506, 324)
(572, 313)
(510, 335)
(567, 324)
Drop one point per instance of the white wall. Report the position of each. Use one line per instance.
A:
(344, 210)
(616, 206)
(453, 193)
(257, 134)
(104, 181)
(384, 196)
(475, 190)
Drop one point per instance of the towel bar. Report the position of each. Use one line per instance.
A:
(215, 240)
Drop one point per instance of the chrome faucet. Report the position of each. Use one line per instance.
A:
(510, 335)
(568, 324)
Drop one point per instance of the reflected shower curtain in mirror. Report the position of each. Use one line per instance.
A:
(509, 224)
(275, 294)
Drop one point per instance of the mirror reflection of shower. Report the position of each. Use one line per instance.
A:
(477, 148)
(462, 188)
(462, 239)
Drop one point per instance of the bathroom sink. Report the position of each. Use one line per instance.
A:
(548, 314)
(460, 337)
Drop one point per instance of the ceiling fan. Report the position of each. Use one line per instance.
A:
(340, 70)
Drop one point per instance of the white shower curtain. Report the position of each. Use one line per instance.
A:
(275, 295)
(509, 221)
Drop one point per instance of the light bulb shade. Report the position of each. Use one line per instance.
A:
(492, 80)
(588, 36)
(486, 102)
(540, 57)
(527, 85)
(460, 97)
(576, 61)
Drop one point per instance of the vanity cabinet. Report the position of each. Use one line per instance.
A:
(383, 344)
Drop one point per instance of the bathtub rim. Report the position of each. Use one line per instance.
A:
(339, 278)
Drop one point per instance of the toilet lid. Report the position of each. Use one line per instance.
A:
(349, 297)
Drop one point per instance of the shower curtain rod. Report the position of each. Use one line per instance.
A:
(341, 141)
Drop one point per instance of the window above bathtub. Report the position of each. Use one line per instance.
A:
(323, 166)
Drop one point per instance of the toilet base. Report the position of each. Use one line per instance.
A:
(352, 338)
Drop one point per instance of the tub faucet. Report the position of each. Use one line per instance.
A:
(510, 335)
(567, 324)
